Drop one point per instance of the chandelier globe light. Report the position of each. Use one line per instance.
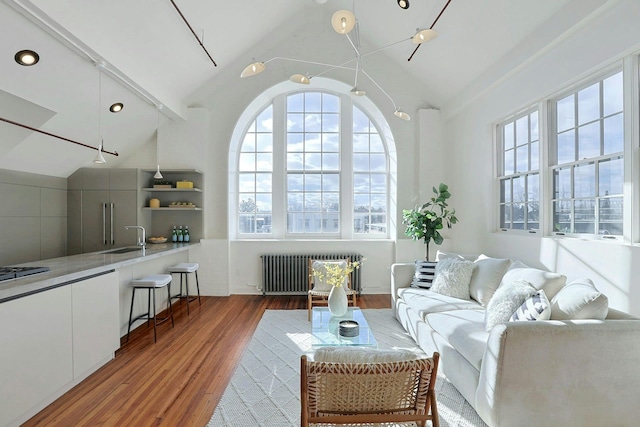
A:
(424, 35)
(343, 21)
(301, 79)
(253, 69)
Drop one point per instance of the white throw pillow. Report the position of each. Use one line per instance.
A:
(539, 279)
(505, 302)
(579, 299)
(536, 307)
(452, 278)
(486, 277)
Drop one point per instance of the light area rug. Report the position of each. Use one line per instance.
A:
(265, 388)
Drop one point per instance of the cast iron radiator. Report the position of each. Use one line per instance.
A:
(288, 274)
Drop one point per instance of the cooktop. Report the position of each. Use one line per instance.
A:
(7, 273)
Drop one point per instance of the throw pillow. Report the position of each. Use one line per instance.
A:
(452, 278)
(486, 278)
(536, 307)
(425, 272)
(539, 279)
(505, 302)
(579, 300)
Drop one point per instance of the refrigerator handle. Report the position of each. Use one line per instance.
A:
(104, 223)
(113, 242)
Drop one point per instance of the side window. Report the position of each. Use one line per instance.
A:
(588, 159)
(519, 172)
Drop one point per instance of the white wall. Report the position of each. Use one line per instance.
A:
(611, 35)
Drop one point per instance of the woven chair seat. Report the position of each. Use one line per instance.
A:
(388, 393)
(326, 293)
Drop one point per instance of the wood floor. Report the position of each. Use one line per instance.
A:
(179, 380)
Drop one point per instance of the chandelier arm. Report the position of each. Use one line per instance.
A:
(313, 63)
(385, 47)
(431, 28)
(333, 67)
(357, 51)
(379, 87)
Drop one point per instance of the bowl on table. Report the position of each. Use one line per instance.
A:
(157, 240)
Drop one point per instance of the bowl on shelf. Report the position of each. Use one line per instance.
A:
(157, 240)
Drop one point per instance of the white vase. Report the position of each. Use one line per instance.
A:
(338, 301)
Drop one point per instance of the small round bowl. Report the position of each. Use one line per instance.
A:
(157, 240)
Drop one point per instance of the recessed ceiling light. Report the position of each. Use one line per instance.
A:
(27, 57)
(117, 107)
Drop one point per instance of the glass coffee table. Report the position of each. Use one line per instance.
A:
(324, 329)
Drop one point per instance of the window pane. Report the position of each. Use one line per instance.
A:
(264, 162)
(533, 215)
(312, 123)
(566, 113)
(312, 142)
(312, 202)
(330, 142)
(330, 103)
(246, 223)
(312, 102)
(247, 203)
(535, 156)
(566, 147)
(263, 203)
(295, 122)
(361, 203)
(295, 182)
(589, 104)
(613, 134)
(379, 183)
(612, 92)
(504, 222)
(263, 182)
(533, 187)
(518, 189)
(611, 216)
(312, 182)
(263, 223)
(295, 202)
(361, 162)
(264, 121)
(562, 183)
(330, 123)
(505, 190)
(330, 182)
(611, 178)
(247, 162)
(584, 180)
(585, 218)
(589, 141)
(361, 183)
(376, 143)
(518, 216)
(360, 142)
(360, 121)
(312, 161)
(247, 183)
(294, 161)
(331, 161)
(509, 162)
(534, 126)
(331, 202)
(562, 216)
(295, 103)
(522, 130)
(522, 160)
(509, 139)
(295, 142)
(249, 142)
(378, 162)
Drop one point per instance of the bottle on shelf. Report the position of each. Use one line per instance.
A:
(174, 235)
(186, 237)
(180, 235)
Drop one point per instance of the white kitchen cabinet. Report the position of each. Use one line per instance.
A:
(36, 357)
(52, 340)
(96, 312)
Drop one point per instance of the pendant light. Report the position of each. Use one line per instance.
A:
(100, 158)
(158, 175)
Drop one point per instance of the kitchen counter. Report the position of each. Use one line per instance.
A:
(71, 269)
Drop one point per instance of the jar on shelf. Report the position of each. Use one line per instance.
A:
(154, 203)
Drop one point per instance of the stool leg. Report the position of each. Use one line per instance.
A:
(155, 338)
(169, 302)
(198, 287)
(186, 286)
(133, 294)
(149, 306)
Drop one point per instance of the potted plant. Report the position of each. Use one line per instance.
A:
(425, 222)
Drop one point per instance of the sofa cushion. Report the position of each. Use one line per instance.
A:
(539, 279)
(423, 301)
(464, 330)
(506, 300)
(453, 277)
(536, 307)
(486, 278)
(579, 300)
(424, 274)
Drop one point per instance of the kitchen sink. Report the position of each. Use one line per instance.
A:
(122, 250)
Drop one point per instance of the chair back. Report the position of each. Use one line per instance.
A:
(401, 390)
(320, 284)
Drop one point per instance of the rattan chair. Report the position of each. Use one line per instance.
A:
(318, 291)
(397, 393)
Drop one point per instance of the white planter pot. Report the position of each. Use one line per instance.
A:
(338, 301)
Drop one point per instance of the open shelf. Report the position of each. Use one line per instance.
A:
(166, 208)
(197, 190)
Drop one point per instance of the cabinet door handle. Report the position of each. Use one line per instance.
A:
(104, 223)
(113, 242)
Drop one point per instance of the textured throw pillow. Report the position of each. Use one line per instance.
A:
(579, 300)
(452, 278)
(425, 272)
(486, 277)
(539, 279)
(505, 302)
(536, 307)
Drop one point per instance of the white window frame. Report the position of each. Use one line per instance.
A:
(277, 96)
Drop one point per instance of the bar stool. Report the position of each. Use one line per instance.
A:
(151, 283)
(184, 268)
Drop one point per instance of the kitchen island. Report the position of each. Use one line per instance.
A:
(60, 326)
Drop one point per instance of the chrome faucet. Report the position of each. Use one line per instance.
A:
(141, 242)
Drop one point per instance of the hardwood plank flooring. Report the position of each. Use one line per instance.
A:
(179, 380)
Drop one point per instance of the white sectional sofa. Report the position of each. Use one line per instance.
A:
(571, 372)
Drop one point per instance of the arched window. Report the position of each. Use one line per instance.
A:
(310, 164)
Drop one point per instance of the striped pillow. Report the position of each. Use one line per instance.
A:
(536, 307)
(425, 272)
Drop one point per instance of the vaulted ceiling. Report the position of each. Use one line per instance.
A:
(146, 44)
